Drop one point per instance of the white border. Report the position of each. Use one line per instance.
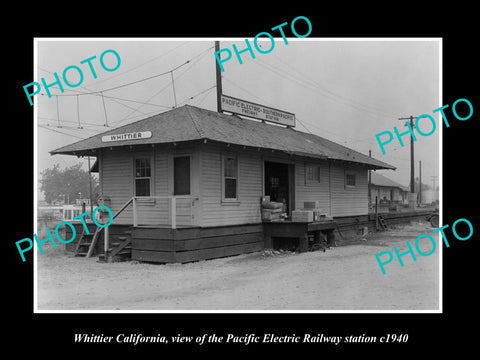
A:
(440, 310)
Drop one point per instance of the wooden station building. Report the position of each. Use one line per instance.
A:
(187, 184)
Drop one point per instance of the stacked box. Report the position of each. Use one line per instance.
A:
(318, 212)
(271, 214)
(271, 210)
(302, 215)
(310, 205)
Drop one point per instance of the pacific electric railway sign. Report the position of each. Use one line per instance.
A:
(265, 113)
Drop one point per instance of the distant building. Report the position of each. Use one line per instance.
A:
(387, 191)
(71, 211)
(60, 211)
(47, 211)
(82, 201)
(429, 196)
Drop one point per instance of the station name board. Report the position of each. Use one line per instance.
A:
(127, 136)
(257, 111)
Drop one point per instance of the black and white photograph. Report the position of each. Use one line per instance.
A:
(268, 181)
(257, 185)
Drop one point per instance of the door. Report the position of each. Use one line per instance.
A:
(278, 183)
(181, 175)
(182, 188)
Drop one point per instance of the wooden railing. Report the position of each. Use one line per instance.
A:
(135, 201)
(172, 208)
(106, 239)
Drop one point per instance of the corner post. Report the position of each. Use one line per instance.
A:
(173, 211)
(135, 223)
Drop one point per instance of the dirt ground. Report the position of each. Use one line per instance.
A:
(346, 277)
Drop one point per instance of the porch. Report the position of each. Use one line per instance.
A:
(167, 235)
(303, 235)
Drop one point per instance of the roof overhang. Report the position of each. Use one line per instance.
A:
(189, 124)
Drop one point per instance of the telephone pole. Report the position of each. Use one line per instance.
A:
(218, 80)
(434, 177)
(412, 163)
(420, 181)
(369, 179)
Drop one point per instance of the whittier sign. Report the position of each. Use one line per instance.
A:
(127, 136)
(257, 111)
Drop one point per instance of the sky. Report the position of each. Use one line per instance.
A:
(345, 90)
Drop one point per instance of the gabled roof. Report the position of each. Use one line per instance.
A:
(380, 180)
(190, 123)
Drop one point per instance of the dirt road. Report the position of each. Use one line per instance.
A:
(346, 277)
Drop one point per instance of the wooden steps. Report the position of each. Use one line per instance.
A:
(382, 222)
(87, 242)
(120, 249)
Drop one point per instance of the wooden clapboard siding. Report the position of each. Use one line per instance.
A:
(154, 211)
(116, 178)
(247, 209)
(161, 215)
(187, 210)
(348, 201)
(312, 190)
(184, 212)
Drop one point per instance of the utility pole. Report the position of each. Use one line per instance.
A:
(420, 181)
(369, 179)
(218, 79)
(90, 186)
(412, 164)
(434, 177)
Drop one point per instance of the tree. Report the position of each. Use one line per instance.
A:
(65, 185)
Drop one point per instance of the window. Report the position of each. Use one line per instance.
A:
(349, 180)
(181, 175)
(274, 182)
(230, 178)
(312, 173)
(143, 176)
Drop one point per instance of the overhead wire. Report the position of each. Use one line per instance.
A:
(68, 121)
(60, 132)
(127, 84)
(208, 93)
(77, 98)
(283, 74)
(142, 64)
(137, 81)
(100, 92)
(193, 59)
(303, 121)
(193, 62)
(194, 96)
(109, 97)
(309, 79)
(266, 102)
(197, 58)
